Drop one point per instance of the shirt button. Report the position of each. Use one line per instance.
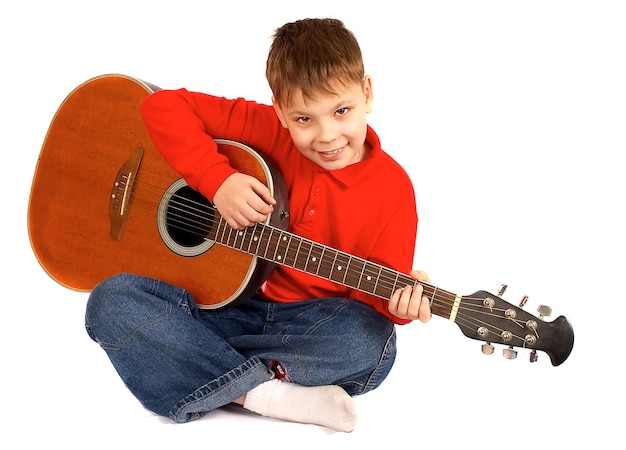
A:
(311, 212)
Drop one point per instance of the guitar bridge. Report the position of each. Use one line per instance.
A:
(121, 191)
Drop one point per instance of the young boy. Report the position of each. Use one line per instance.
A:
(302, 346)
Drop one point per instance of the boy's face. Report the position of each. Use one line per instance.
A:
(330, 129)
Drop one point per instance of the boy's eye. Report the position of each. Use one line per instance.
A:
(303, 119)
(341, 111)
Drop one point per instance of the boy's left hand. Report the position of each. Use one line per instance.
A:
(410, 302)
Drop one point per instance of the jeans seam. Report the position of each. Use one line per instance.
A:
(124, 339)
(372, 381)
(327, 319)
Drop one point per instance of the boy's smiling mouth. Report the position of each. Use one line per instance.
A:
(332, 154)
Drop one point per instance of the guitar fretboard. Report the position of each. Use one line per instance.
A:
(285, 248)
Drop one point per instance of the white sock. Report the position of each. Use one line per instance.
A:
(329, 406)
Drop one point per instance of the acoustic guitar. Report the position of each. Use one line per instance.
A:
(103, 201)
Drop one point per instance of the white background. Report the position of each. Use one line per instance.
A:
(510, 118)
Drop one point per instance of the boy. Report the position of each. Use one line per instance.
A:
(302, 346)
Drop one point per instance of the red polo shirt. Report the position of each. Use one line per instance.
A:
(366, 209)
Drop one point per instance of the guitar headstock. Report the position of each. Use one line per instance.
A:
(489, 318)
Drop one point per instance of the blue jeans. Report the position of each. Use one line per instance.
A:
(181, 361)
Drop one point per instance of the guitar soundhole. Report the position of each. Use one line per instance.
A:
(185, 218)
(188, 217)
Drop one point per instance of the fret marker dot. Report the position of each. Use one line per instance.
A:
(256, 238)
(241, 233)
(339, 267)
(314, 259)
(369, 278)
(279, 257)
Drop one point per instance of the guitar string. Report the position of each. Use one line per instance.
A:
(200, 230)
(439, 298)
(198, 227)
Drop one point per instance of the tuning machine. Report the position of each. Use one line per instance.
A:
(523, 301)
(509, 353)
(544, 311)
(487, 348)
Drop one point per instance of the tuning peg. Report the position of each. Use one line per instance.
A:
(534, 356)
(544, 311)
(509, 353)
(487, 348)
(523, 301)
(501, 290)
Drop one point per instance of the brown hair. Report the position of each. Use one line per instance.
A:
(311, 54)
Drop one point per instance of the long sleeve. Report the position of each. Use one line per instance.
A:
(184, 124)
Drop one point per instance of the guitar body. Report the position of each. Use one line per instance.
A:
(76, 229)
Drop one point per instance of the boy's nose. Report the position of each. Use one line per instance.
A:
(327, 132)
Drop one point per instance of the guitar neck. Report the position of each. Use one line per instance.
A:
(287, 249)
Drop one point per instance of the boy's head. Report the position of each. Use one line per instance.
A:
(310, 55)
(320, 92)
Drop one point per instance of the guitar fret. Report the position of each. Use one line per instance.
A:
(363, 279)
(299, 264)
(377, 280)
(220, 238)
(251, 237)
(297, 254)
(432, 296)
(339, 265)
(346, 272)
(275, 245)
(332, 266)
(370, 277)
(238, 234)
(291, 253)
(314, 259)
(354, 272)
(250, 232)
(226, 235)
(308, 257)
(282, 243)
(272, 246)
(258, 239)
(326, 265)
(261, 244)
(232, 238)
(267, 243)
(385, 290)
(245, 239)
(321, 260)
(395, 284)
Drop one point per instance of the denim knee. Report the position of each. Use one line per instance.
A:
(99, 303)
(117, 302)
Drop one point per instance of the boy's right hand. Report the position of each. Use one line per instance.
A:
(243, 200)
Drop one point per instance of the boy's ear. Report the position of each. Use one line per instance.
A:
(369, 93)
(279, 112)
